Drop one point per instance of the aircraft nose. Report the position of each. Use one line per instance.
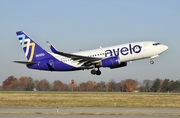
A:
(164, 47)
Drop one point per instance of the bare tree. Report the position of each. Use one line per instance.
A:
(30, 85)
(22, 84)
(57, 86)
(112, 86)
(43, 85)
(121, 86)
(91, 85)
(101, 86)
(15, 86)
(147, 84)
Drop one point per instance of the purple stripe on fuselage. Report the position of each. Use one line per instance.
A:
(57, 66)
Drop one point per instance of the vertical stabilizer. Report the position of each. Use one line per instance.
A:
(32, 50)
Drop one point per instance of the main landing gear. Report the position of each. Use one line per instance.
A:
(95, 72)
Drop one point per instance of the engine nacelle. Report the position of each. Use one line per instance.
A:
(122, 64)
(110, 62)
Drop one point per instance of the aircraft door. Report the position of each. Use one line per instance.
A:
(145, 47)
(145, 50)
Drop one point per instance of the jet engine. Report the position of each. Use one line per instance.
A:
(109, 62)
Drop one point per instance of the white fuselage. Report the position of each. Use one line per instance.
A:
(126, 52)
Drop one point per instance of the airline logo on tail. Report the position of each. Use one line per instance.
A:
(27, 46)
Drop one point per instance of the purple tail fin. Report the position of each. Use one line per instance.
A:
(31, 49)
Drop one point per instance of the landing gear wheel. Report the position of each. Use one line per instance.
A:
(98, 72)
(93, 72)
(151, 62)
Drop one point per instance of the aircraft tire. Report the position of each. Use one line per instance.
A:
(151, 62)
(98, 72)
(93, 72)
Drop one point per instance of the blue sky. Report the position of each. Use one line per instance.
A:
(87, 24)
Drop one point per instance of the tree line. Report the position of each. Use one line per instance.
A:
(127, 85)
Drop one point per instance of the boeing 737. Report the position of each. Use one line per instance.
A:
(108, 57)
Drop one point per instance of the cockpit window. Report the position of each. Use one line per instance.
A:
(156, 44)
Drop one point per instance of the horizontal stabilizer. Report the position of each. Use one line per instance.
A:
(26, 62)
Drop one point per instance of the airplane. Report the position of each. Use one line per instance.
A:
(108, 57)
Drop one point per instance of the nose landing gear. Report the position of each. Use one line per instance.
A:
(151, 62)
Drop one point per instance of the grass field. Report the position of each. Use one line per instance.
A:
(89, 99)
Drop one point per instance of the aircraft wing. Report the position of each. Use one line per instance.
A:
(81, 59)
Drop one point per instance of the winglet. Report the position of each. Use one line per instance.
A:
(53, 49)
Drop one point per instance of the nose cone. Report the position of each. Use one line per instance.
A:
(164, 47)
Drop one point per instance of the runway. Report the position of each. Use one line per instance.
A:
(78, 116)
(88, 111)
